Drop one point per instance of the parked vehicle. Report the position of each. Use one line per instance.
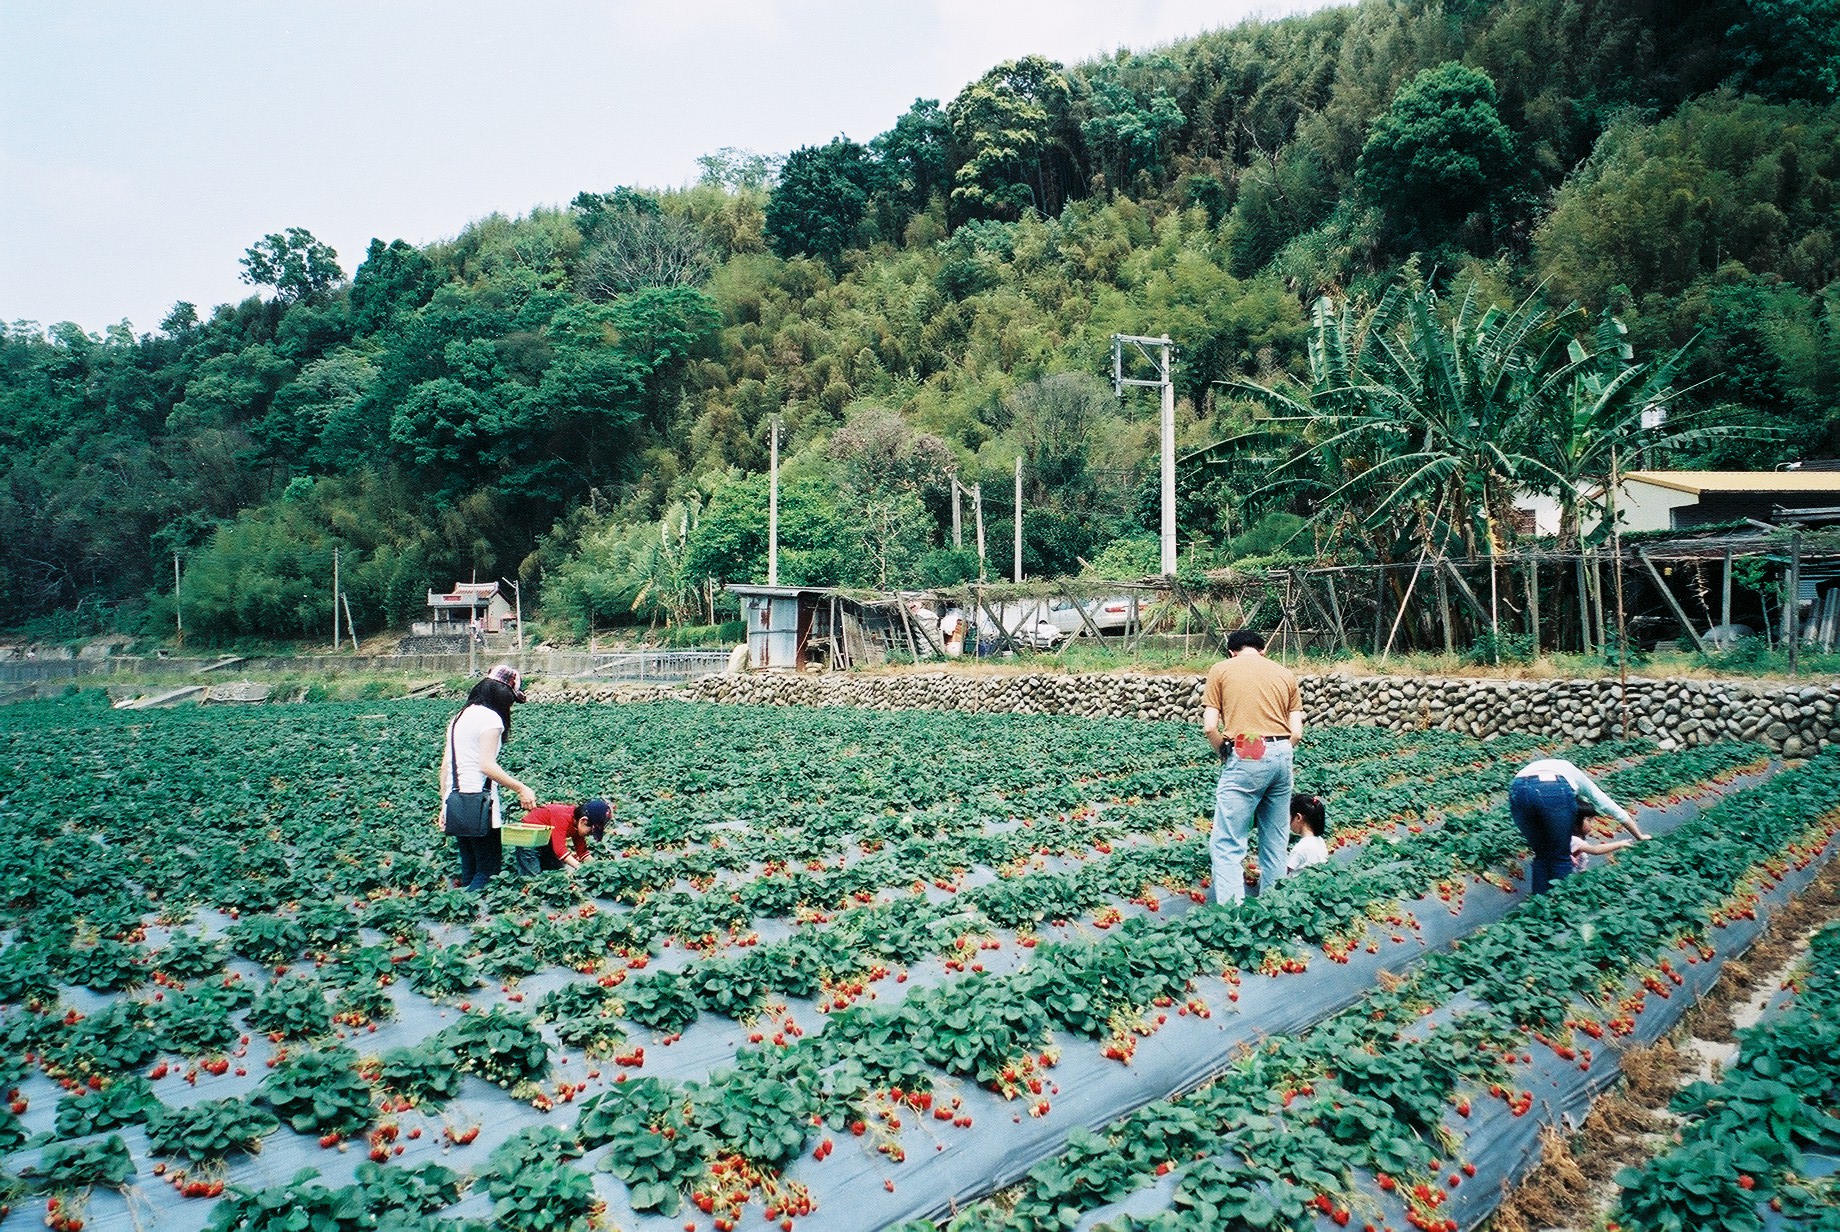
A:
(1111, 615)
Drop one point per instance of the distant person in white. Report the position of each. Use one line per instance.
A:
(1545, 800)
(1308, 819)
(952, 632)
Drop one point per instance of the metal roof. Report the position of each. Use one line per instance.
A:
(1700, 482)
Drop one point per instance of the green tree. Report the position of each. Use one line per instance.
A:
(1128, 134)
(1437, 156)
(1009, 135)
(1790, 48)
(817, 208)
(394, 277)
(298, 266)
(915, 154)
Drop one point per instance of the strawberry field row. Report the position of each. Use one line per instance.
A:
(1362, 1120)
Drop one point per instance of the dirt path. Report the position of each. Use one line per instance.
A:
(1573, 1188)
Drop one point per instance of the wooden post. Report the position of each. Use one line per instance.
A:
(178, 610)
(1380, 585)
(1404, 601)
(1725, 598)
(1533, 603)
(1081, 612)
(335, 601)
(1598, 628)
(1584, 607)
(1680, 613)
(1443, 597)
(913, 647)
(1792, 611)
(1335, 610)
(1018, 561)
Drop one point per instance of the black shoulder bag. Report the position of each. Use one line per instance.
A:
(466, 814)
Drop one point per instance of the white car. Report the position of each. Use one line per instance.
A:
(1111, 615)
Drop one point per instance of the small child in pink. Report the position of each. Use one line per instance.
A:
(1583, 848)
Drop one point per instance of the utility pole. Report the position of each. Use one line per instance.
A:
(977, 507)
(958, 520)
(1622, 623)
(517, 591)
(1018, 558)
(772, 510)
(335, 599)
(1166, 383)
(179, 611)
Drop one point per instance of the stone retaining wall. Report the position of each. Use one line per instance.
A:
(1794, 720)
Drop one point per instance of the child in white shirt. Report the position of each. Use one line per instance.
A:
(1308, 819)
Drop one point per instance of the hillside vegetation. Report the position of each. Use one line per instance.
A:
(1607, 206)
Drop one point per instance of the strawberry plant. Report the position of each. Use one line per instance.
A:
(440, 973)
(107, 966)
(657, 1150)
(194, 1023)
(327, 925)
(293, 1007)
(532, 1187)
(501, 1046)
(268, 939)
(422, 1074)
(209, 1130)
(189, 956)
(319, 1092)
(765, 1118)
(65, 1167)
(665, 1001)
(974, 1029)
(426, 1188)
(115, 1038)
(304, 1204)
(123, 1101)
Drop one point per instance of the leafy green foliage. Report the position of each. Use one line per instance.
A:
(209, 1130)
(501, 1046)
(1437, 154)
(422, 1074)
(125, 1101)
(67, 1166)
(319, 1092)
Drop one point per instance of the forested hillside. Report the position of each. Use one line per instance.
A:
(1648, 193)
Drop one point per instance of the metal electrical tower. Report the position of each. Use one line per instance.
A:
(1165, 380)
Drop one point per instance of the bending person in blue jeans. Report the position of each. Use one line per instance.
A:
(1545, 800)
(1252, 714)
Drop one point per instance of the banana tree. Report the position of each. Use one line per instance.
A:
(1599, 402)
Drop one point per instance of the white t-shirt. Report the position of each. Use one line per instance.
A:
(1308, 850)
(474, 722)
(1559, 768)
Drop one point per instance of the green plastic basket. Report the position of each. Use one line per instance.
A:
(516, 835)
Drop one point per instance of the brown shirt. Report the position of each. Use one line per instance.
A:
(1255, 696)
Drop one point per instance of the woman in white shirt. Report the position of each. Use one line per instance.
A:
(1544, 801)
(1309, 819)
(469, 763)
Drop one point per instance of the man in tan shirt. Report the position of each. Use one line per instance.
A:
(1253, 715)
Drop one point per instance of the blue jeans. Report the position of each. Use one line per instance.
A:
(480, 859)
(526, 861)
(1251, 791)
(1545, 812)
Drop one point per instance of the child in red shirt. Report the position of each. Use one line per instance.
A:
(570, 828)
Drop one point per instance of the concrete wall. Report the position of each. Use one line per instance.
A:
(1792, 719)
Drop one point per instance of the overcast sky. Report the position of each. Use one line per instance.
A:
(144, 146)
